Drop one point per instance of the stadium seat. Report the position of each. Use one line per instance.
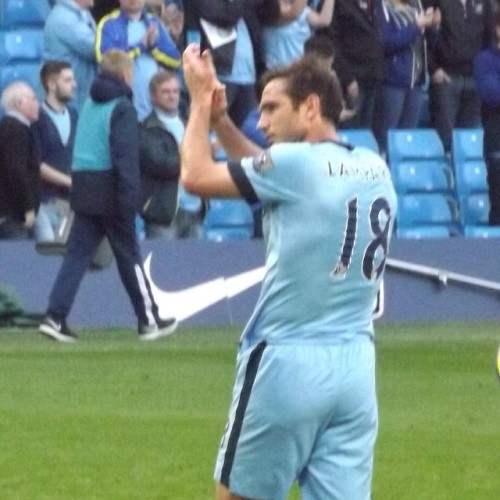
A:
(15, 13)
(424, 180)
(482, 231)
(26, 71)
(228, 220)
(468, 161)
(419, 165)
(422, 177)
(422, 232)
(471, 183)
(419, 212)
(21, 45)
(467, 144)
(475, 209)
(359, 137)
(414, 144)
(471, 177)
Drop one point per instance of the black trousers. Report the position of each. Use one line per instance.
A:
(86, 234)
(454, 104)
(493, 169)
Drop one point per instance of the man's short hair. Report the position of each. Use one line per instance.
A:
(320, 45)
(117, 63)
(51, 69)
(306, 76)
(163, 75)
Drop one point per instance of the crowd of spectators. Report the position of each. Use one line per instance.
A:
(387, 54)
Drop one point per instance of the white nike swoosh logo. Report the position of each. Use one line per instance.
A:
(186, 303)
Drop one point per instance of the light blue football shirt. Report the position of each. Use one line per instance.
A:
(328, 216)
(284, 43)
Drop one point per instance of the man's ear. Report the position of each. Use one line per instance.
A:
(313, 106)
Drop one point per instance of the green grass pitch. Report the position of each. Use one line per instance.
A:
(113, 418)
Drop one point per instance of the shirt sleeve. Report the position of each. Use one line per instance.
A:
(275, 175)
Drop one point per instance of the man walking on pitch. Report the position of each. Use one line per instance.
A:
(304, 403)
(105, 197)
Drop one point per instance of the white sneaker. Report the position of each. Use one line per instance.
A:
(56, 330)
(163, 328)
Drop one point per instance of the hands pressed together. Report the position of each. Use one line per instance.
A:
(201, 80)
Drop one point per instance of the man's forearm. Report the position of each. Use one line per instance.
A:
(195, 148)
(234, 142)
(54, 176)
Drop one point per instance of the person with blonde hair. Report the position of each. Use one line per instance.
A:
(105, 197)
(19, 166)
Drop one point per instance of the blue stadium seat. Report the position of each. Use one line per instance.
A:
(420, 167)
(471, 183)
(423, 232)
(414, 176)
(471, 177)
(26, 71)
(21, 45)
(482, 231)
(228, 220)
(414, 144)
(359, 137)
(418, 212)
(467, 144)
(14, 13)
(468, 161)
(475, 209)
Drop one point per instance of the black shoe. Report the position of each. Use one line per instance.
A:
(57, 330)
(162, 328)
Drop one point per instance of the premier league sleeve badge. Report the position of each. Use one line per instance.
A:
(263, 163)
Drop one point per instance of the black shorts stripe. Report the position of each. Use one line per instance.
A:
(250, 375)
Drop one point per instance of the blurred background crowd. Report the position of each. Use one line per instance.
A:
(402, 64)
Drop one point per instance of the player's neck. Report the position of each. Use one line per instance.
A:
(322, 132)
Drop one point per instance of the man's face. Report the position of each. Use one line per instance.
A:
(64, 85)
(279, 121)
(167, 95)
(132, 6)
(29, 106)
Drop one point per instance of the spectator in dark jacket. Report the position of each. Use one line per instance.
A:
(466, 28)
(54, 133)
(159, 156)
(358, 57)
(402, 24)
(105, 197)
(238, 61)
(19, 164)
(487, 78)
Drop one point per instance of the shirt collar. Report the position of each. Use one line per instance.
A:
(18, 116)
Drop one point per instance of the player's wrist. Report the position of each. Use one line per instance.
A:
(217, 118)
(201, 103)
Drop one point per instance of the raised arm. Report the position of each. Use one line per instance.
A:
(200, 174)
(323, 18)
(235, 143)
